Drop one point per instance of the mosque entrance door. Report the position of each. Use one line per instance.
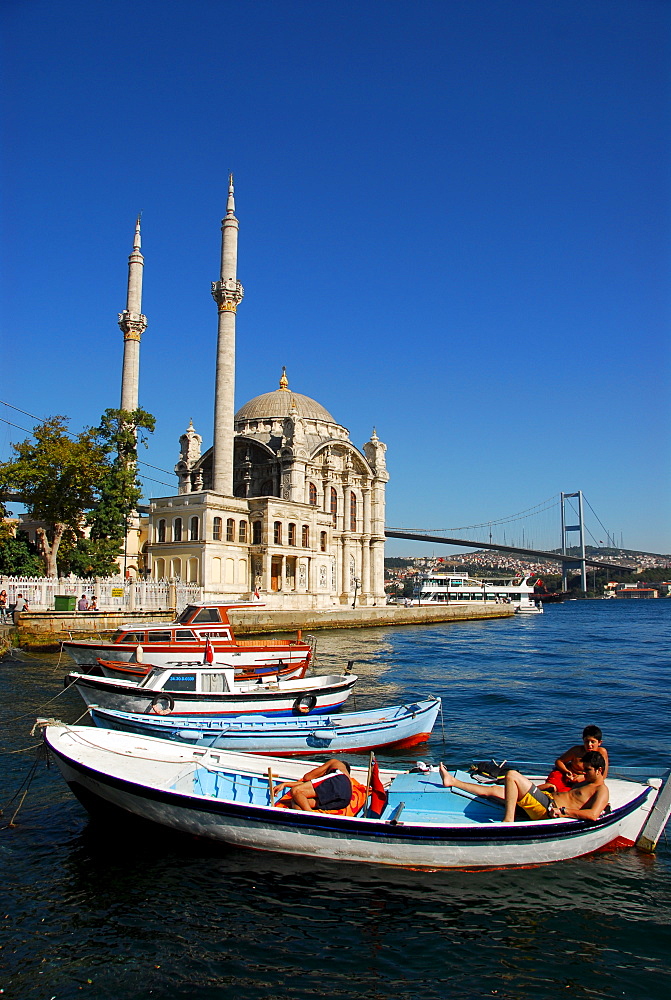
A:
(276, 573)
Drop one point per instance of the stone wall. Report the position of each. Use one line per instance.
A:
(248, 622)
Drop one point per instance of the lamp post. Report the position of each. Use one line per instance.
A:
(357, 581)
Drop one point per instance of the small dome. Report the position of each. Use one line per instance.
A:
(280, 403)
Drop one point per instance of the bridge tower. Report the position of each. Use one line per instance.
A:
(580, 528)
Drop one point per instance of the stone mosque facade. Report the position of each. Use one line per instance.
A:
(283, 507)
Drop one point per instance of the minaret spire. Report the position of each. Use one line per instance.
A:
(133, 324)
(227, 293)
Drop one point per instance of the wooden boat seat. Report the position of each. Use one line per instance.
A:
(426, 801)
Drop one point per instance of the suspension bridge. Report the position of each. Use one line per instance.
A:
(565, 511)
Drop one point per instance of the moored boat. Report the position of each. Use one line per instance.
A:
(210, 690)
(458, 588)
(226, 797)
(393, 728)
(135, 671)
(185, 640)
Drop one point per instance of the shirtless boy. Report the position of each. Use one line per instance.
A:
(568, 768)
(586, 801)
(325, 787)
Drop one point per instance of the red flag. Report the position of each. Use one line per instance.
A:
(378, 796)
(208, 656)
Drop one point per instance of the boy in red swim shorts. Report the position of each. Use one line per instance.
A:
(568, 770)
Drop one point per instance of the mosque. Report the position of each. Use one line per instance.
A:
(283, 507)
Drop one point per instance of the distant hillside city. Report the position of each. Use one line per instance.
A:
(401, 573)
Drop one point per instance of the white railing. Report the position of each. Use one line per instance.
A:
(111, 593)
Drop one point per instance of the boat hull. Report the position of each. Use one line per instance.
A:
(395, 728)
(280, 699)
(245, 661)
(136, 783)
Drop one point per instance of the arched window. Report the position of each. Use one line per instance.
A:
(313, 494)
(277, 532)
(256, 533)
(305, 536)
(230, 530)
(352, 512)
(292, 535)
(177, 530)
(216, 529)
(322, 541)
(161, 530)
(242, 531)
(334, 507)
(193, 535)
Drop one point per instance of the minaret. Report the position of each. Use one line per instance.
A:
(227, 293)
(133, 325)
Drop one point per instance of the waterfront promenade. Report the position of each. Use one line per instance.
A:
(47, 629)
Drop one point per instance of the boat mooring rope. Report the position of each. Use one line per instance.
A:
(27, 781)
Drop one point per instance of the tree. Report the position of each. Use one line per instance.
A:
(56, 477)
(68, 482)
(120, 489)
(18, 556)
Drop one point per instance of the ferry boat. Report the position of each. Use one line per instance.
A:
(457, 588)
(197, 630)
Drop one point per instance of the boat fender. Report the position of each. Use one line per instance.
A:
(304, 704)
(162, 704)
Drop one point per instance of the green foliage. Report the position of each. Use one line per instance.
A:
(120, 488)
(18, 557)
(89, 557)
(68, 482)
(56, 476)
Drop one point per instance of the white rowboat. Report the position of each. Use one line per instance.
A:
(225, 797)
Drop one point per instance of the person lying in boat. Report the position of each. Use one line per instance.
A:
(325, 787)
(568, 770)
(584, 801)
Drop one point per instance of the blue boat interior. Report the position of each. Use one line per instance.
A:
(412, 797)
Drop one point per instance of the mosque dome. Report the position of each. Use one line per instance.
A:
(281, 403)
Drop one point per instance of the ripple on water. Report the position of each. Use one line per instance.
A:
(142, 914)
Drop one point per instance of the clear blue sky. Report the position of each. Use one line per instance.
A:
(454, 226)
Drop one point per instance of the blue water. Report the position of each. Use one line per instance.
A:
(125, 911)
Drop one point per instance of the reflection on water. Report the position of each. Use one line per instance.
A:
(123, 910)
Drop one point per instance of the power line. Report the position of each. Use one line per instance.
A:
(41, 420)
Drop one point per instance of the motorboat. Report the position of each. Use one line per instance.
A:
(185, 640)
(211, 690)
(229, 797)
(135, 670)
(393, 728)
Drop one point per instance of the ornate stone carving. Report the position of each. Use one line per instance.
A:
(132, 325)
(227, 294)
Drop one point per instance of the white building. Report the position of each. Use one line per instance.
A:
(283, 505)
